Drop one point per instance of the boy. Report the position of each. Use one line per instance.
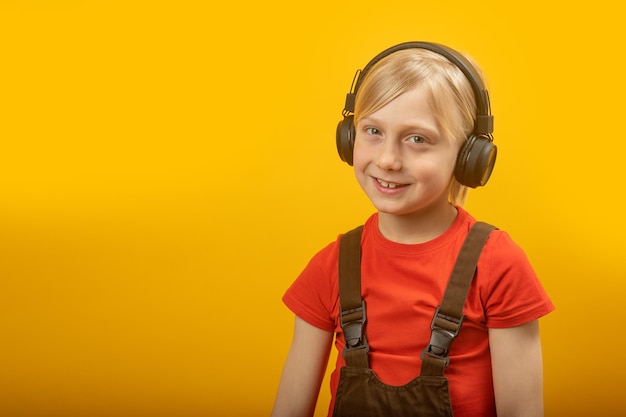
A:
(417, 129)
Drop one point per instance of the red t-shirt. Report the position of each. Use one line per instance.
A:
(403, 285)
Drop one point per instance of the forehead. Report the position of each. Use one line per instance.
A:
(416, 102)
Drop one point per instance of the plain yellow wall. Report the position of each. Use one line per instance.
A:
(168, 167)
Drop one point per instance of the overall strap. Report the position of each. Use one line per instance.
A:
(352, 311)
(449, 315)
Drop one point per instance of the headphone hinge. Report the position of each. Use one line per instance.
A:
(349, 107)
(484, 124)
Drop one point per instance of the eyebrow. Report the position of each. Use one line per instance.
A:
(428, 129)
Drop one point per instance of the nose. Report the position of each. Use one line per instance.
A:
(389, 156)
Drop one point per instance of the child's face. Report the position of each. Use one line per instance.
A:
(402, 159)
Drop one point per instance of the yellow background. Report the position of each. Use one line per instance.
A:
(168, 167)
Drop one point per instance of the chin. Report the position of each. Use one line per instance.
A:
(395, 211)
(407, 211)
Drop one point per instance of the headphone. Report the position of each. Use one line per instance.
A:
(477, 156)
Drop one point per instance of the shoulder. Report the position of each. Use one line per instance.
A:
(326, 259)
(501, 251)
(503, 262)
(507, 285)
(500, 247)
(314, 294)
(511, 291)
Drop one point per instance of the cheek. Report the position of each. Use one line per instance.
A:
(451, 163)
(441, 167)
(359, 154)
(448, 158)
(360, 162)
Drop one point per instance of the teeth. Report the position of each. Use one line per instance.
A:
(387, 184)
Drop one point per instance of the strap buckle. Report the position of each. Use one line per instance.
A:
(353, 325)
(442, 337)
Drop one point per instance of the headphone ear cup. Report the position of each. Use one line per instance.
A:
(475, 161)
(345, 139)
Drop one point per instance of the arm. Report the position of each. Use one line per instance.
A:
(303, 371)
(517, 370)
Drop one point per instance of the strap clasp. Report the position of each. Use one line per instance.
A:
(444, 329)
(353, 325)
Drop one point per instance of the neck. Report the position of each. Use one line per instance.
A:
(416, 227)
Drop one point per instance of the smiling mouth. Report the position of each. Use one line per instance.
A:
(390, 185)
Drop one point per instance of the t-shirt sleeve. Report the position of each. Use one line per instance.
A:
(513, 294)
(313, 296)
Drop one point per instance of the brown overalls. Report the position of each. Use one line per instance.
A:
(360, 393)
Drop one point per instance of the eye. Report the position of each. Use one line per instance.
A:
(372, 131)
(417, 139)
